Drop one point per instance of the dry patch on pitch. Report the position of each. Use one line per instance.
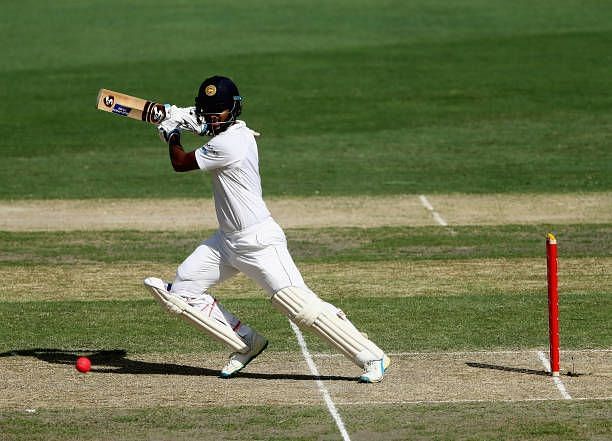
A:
(48, 380)
(106, 281)
(496, 209)
(315, 212)
(197, 214)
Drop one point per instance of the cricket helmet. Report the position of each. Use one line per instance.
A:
(216, 95)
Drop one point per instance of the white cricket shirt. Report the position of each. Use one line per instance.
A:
(233, 162)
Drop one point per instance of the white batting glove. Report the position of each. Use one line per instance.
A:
(165, 129)
(186, 119)
(181, 118)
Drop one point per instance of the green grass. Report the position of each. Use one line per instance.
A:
(353, 97)
(478, 421)
(210, 423)
(472, 421)
(315, 245)
(454, 322)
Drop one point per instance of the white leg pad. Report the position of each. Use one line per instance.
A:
(308, 311)
(176, 305)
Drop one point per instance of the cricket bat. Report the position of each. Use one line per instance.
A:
(130, 106)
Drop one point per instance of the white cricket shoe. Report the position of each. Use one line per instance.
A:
(374, 370)
(238, 361)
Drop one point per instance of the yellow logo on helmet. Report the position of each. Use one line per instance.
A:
(210, 90)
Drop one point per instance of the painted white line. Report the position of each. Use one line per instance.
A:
(556, 380)
(518, 400)
(426, 402)
(585, 351)
(439, 219)
(326, 395)
(458, 353)
(426, 203)
(433, 212)
(430, 354)
(436, 216)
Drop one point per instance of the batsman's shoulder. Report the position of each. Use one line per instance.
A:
(225, 144)
(242, 127)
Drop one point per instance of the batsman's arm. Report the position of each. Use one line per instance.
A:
(181, 161)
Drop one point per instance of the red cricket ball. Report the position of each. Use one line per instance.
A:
(83, 364)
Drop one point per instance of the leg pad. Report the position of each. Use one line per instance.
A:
(175, 304)
(308, 311)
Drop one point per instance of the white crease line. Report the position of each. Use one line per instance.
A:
(556, 380)
(467, 401)
(436, 216)
(431, 209)
(425, 353)
(326, 395)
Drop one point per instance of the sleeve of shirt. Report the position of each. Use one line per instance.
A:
(216, 155)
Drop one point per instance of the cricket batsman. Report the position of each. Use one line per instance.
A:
(248, 240)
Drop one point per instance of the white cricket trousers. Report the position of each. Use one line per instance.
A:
(259, 251)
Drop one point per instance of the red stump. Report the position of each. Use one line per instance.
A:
(553, 302)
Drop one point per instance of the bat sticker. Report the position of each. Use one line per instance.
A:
(158, 114)
(121, 110)
(153, 112)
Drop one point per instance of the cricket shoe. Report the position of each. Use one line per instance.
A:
(374, 370)
(238, 360)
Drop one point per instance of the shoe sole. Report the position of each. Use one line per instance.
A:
(222, 375)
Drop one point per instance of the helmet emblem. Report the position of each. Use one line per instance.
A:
(210, 90)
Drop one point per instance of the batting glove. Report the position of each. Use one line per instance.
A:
(180, 119)
(164, 130)
(171, 137)
(185, 118)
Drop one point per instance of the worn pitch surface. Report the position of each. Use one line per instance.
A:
(127, 381)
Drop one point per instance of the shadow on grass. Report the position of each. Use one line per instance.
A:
(116, 362)
(507, 369)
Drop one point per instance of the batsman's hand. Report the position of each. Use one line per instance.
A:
(182, 119)
(168, 131)
(165, 129)
(186, 119)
